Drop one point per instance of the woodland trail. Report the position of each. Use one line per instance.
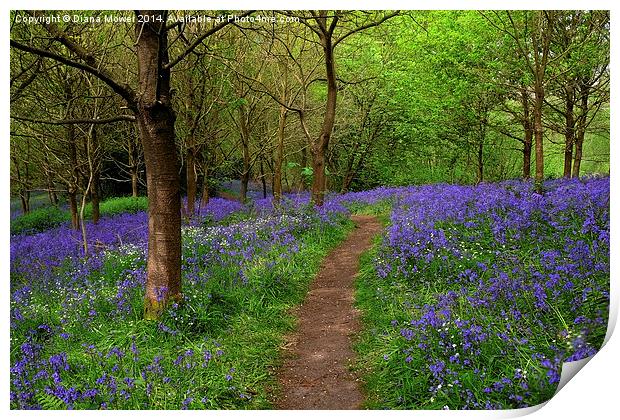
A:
(315, 376)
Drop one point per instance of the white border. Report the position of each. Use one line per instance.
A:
(592, 394)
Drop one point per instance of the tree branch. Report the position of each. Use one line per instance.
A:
(199, 40)
(364, 27)
(122, 89)
(77, 121)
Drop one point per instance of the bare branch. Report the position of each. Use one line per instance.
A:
(199, 40)
(122, 89)
(77, 121)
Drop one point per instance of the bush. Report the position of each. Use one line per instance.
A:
(48, 217)
(38, 220)
(118, 205)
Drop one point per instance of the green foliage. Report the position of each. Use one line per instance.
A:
(50, 402)
(48, 217)
(118, 205)
(38, 220)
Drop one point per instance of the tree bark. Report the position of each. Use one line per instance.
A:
(132, 155)
(155, 118)
(262, 176)
(538, 136)
(72, 186)
(569, 130)
(528, 134)
(320, 146)
(94, 188)
(51, 194)
(581, 130)
(541, 39)
(348, 174)
(245, 144)
(277, 178)
(190, 174)
(73, 208)
(205, 180)
(480, 162)
(24, 194)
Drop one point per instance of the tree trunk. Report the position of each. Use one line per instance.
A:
(480, 162)
(205, 182)
(73, 208)
(245, 144)
(541, 39)
(304, 164)
(24, 194)
(581, 130)
(277, 178)
(73, 183)
(348, 173)
(51, 194)
(263, 179)
(538, 136)
(25, 202)
(94, 188)
(190, 173)
(155, 119)
(243, 191)
(320, 146)
(527, 155)
(133, 166)
(72, 187)
(569, 130)
(528, 135)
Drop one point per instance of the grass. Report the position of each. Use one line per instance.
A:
(44, 218)
(218, 349)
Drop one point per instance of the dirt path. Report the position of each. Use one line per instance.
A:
(315, 376)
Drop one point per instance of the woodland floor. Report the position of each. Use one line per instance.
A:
(315, 374)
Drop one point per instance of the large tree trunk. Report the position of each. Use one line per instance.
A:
(320, 146)
(155, 119)
(569, 130)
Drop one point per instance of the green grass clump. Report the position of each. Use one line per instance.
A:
(45, 218)
(117, 205)
(38, 220)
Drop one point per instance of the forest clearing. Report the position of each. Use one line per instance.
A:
(306, 209)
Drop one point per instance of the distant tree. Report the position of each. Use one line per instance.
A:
(331, 28)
